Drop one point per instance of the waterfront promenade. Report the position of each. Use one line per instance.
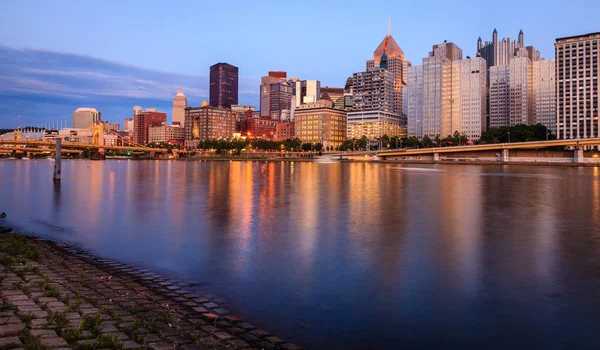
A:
(58, 296)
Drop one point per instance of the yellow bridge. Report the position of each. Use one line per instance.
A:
(47, 145)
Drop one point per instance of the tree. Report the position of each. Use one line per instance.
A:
(427, 142)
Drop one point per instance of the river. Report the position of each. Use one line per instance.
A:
(345, 255)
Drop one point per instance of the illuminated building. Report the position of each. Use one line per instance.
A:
(499, 52)
(544, 87)
(207, 122)
(285, 130)
(223, 85)
(165, 133)
(258, 127)
(374, 124)
(320, 123)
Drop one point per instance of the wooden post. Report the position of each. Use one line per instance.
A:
(57, 159)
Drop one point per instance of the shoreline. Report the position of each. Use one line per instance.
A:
(55, 294)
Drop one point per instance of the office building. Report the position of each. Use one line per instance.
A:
(142, 121)
(280, 100)
(207, 122)
(388, 55)
(179, 106)
(165, 133)
(499, 52)
(374, 124)
(544, 88)
(499, 96)
(128, 125)
(265, 90)
(264, 128)
(285, 130)
(319, 122)
(111, 126)
(223, 85)
(447, 94)
(85, 117)
(577, 66)
(373, 90)
(307, 91)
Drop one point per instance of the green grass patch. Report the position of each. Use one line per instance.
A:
(58, 319)
(30, 342)
(91, 323)
(15, 245)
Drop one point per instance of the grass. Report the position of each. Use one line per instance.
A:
(16, 246)
(57, 318)
(26, 317)
(49, 290)
(166, 316)
(88, 298)
(30, 342)
(112, 313)
(62, 263)
(136, 309)
(91, 323)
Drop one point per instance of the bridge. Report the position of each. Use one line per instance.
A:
(483, 151)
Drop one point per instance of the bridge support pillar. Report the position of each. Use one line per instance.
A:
(505, 156)
(578, 155)
(57, 159)
(436, 157)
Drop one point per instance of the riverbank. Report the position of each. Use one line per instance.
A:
(54, 295)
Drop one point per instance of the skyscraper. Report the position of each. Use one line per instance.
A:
(179, 106)
(577, 68)
(307, 91)
(142, 121)
(280, 99)
(544, 87)
(223, 85)
(207, 122)
(388, 55)
(499, 52)
(447, 94)
(84, 117)
(499, 96)
(265, 90)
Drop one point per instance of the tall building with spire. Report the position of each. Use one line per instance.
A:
(179, 106)
(388, 55)
(499, 52)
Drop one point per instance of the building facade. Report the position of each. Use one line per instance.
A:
(265, 90)
(142, 121)
(388, 55)
(499, 52)
(280, 99)
(447, 94)
(319, 122)
(285, 130)
(373, 90)
(264, 128)
(206, 123)
(165, 133)
(84, 117)
(544, 87)
(128, 125)
(307, 91)
(223, 85)
(179, 106)
(499, 96)
(577, 66)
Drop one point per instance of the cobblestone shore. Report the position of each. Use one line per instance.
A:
(58, 296)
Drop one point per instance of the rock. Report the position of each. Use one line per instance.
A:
(2, 215)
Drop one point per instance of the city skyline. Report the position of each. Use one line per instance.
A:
(50, 88)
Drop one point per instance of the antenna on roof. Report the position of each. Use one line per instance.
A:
(388, 25)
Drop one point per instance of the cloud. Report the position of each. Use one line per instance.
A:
(50, 84)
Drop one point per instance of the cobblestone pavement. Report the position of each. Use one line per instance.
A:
(54, 296)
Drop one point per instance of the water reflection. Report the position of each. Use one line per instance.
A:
(330, 254)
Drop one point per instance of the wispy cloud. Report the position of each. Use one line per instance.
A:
(37, 76)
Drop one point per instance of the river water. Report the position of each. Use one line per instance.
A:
(346, 255)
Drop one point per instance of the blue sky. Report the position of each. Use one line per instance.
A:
(58, 55)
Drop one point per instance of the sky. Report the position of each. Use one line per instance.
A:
(58, 55)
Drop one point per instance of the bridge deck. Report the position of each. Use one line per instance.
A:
(67, 145)
(491, 147)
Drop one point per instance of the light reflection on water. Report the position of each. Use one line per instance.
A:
(346, 255)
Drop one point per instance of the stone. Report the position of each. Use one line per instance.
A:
(274, 340)
(238, 344)
(130, 344)
(151, 338)
(192, 347)
(178, 340)
(161, 346)
(200, 309)
(210, 305)
(55, 342)
(221, 311)
(288, 346)
(209, 341)
(10, 342)
(245, 326)
(260, 333)
(43, 333)
(223, 335)
(11, 329)
(210, 317)
(209, 329)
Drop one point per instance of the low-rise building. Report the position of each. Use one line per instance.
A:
(285, 130)
(319, 122)
(258, 127)
(165, 133)
(373, 124)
